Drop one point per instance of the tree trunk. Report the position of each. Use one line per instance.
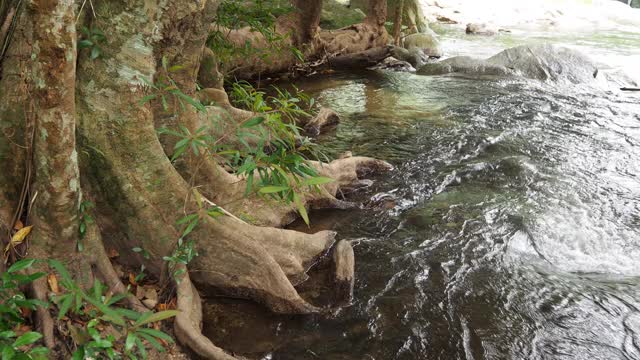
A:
(303, 33)
(308, 19)
(397, 23)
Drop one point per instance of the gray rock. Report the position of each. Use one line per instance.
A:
(394, 64)
(426, 42)
(481, 29)
(415, 56)
(464, 65)
(540, 62)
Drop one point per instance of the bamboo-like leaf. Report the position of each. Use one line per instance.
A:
(21, 265)
(65, 305)
(317, 180)
(301, 208)
(153, 317)
(273, 189)
(147, 98)
(130, 342)
(253, 121)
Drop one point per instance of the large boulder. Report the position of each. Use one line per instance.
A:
(540, 62)
(426, 42)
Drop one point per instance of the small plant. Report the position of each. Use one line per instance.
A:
(85, 220)
(16, 341)
(107, 324)
(99, 327)
(92, 38)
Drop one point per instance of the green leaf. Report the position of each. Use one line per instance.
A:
(67, 301)
(156, 333)
(193, 102)
(165, 106)
(253, 121)
(8, 353)
(57, 265)
(27, 338)
(147, 98)
(153, 342)
(130, 342)
(82, 44)
(39, 352)
(165, 62)
(301, 208)
(153, 317)
(109, 313)
(78, 354)
(95, 52)
(141, 349)
(7, 334)
(273, 189)
(21, 265)
(190, 228)
(318, 180)
(187, 219)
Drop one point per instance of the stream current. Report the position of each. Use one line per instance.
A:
(512, 221)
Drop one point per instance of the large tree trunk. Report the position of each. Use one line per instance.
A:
(123, 167)
(303, 33)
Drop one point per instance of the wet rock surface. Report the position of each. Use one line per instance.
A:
(427, 42)
(539, 62)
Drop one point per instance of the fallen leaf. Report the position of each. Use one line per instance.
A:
(132, 279)
(18, 237)
(53, 283)
(26, 312)
(18, 225)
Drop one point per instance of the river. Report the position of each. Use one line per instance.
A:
(512, 225)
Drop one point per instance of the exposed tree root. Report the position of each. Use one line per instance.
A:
(324, 119)
(188, 322)
(44, 321)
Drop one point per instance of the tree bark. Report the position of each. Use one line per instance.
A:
(303, 32)
(397, 23)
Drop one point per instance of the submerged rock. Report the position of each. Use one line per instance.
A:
(426, 42)
(394, 64)
(324, 119)
(540, 62)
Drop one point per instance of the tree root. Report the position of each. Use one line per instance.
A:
(325, 118)
(189, 320)
(44, 321)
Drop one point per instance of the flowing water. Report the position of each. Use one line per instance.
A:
(511, 226)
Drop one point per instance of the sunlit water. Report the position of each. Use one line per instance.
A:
(515, 226)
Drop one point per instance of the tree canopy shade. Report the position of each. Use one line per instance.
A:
(108, 142)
